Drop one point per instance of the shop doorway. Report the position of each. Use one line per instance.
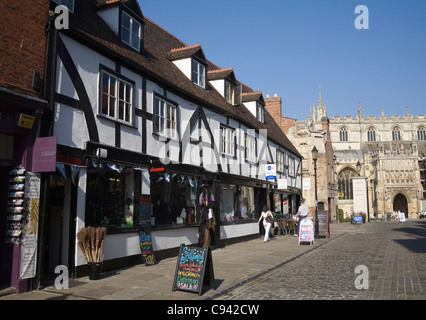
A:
(57, 243)
(400, 204)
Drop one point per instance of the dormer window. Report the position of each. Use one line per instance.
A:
(255, 104)
(260, 112)
(67, 3)
(225, 82)
(198, 73)
(229, 92)
(131, 31)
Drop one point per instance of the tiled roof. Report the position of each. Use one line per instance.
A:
(219, 73)
(184, 52)
(252, 96)
(154, 62)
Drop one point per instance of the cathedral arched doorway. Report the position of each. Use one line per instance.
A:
(400, 204)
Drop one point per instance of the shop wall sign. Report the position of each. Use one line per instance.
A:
(30, 229)
(44, 155)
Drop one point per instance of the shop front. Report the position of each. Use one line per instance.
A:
(240, 203)
(19, 121)
(286, 202)
(117, 193)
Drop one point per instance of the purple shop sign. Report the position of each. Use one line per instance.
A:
(44, 155)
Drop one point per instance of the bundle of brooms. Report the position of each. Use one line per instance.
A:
(91, 241)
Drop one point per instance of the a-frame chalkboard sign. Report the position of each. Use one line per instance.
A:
(145, 239)
(194, 269)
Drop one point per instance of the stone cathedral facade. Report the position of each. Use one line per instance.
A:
(391, 152)
(384, 155)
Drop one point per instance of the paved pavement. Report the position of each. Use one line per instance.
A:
(238, 264)
(233, 265)
(376, 261)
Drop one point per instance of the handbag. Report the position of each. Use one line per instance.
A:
(269, 218)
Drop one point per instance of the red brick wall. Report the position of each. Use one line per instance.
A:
(22, 43)
(274, 107)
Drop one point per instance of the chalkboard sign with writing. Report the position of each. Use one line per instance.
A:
(194, 269)
(145, 239)
(323, 224)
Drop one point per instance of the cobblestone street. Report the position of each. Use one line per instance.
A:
(393, 252)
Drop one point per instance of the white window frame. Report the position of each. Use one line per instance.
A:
(280, 161)
(229, 92)
(198, 73)
(67, 3)
(118, 102)
(291, 167)
(227, 141)
(260, 112)
(250, 148)
(132, 33)
(165, 118)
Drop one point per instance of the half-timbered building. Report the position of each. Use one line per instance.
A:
(142, 120)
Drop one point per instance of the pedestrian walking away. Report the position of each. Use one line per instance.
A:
(268, 218)
(302, 213)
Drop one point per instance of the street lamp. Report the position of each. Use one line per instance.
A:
(315, 158)
(358, 168)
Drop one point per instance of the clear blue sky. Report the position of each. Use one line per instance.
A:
(293, 47)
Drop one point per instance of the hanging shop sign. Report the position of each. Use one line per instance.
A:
(282, 184)
(271, 172)
(194, 269)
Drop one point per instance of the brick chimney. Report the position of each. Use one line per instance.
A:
(274, 106)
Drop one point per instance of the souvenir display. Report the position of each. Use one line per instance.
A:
(15, 208)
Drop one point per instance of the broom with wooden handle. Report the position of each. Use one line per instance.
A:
(102, 235)
(97, 241)
(92, 243)
(82, 241)
(88, 246)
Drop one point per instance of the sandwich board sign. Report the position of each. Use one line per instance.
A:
(306, 231)
(194, 269)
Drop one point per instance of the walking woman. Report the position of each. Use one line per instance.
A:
(268, 218)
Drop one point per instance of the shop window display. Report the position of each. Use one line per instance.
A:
(174, 199)
(247, 203)
(110, 198)
(237, 203)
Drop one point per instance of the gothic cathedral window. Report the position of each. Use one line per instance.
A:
(343, 135)
(371, 134)
(344, 182)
